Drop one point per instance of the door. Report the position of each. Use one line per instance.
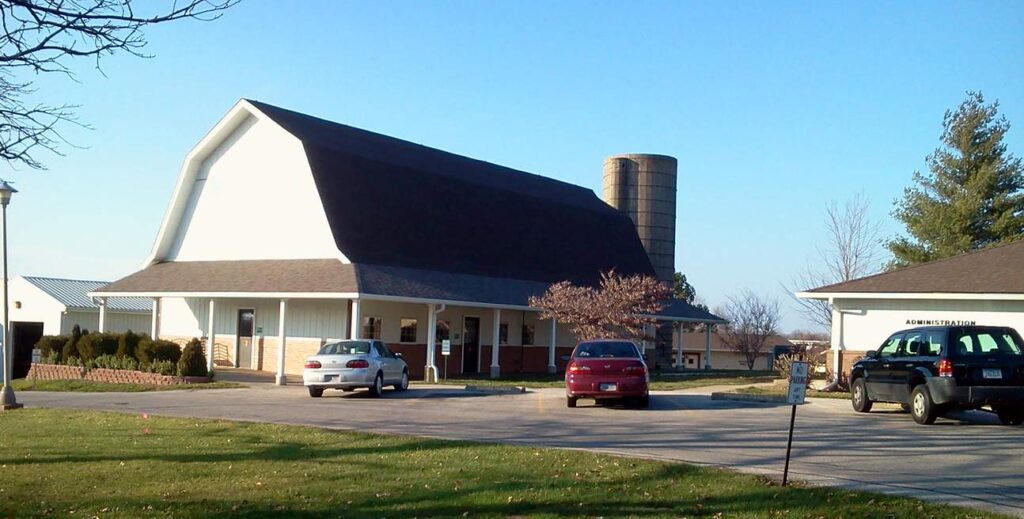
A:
(470, 344)
(914, 350)
(878, 373)
(389, 363)
(243, 339)
(24, 337)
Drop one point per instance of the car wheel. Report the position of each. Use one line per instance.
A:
(404, 384)
(859, 396)
(570, 401)
(1010, 416)
(315, 392)
(921, 406)
(378, 385)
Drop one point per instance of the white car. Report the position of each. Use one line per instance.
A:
(352, 364)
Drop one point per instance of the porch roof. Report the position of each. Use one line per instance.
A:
(330, 278)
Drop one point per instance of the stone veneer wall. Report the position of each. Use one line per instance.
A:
(116, 376)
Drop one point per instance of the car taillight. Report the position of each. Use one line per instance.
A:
(576, 368)
(945, 368)
(359, 363)
(634, 369)
(312, 364)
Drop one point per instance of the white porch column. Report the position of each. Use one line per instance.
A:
(552, 368)
(679, 343)
(103, 315)
(837, 342)
(430, 369)
(154, 328)
(210, 341)
(496, 341)
(707, 346)
(280, 379)
(355, 321)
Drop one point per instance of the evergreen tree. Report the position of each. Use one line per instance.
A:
(973, 195)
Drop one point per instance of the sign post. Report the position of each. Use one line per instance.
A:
(446, 350)
(796, 396)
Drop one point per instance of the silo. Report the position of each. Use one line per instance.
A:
(644, 187)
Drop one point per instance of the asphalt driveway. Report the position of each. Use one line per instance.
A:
(970, 460)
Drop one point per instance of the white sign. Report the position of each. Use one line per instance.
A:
(446, 347)
(797, 383)
(37, 355)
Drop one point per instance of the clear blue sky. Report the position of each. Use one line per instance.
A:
(773, 109)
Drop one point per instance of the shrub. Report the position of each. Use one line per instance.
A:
(163, 367)
(109, 342)
(51, 358)
(149, 351)
(113, 362)
(88, 346)
(127, 343)
(193, 360)
(70, 348)
(49, 343)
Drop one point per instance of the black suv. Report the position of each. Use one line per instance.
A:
(935, 369)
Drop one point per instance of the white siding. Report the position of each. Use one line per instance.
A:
(36, 306)
(306, 319)
(253, 198)
(115, 321)
(865, 323)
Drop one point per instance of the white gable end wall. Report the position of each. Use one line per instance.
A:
(252, 197)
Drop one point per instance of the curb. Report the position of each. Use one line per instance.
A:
(739, 397)
(496, 390)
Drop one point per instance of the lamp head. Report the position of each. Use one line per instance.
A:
(6, 190)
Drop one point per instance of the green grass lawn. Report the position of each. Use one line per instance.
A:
(89, 386)
(92, 464)
(659, 382)
(781, 391)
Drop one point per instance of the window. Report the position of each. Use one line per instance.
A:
(936, 340)
(503, 333)
(913, 344)
(444, 331)
(890, 346)
(988, 342)
(408, 330)
(345, 348)
(371, 328)
(527, 334)
(607, 349)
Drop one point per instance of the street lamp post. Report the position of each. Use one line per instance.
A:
(7, 400)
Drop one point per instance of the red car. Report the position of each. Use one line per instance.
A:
(607, 369)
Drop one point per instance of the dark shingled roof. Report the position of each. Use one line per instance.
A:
(312, 275)
(395, 203)
(996, 270)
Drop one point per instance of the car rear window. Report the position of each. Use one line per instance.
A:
(609, 349)
(988, 343)
(345, 348)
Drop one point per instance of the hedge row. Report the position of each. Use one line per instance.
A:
(82, 348)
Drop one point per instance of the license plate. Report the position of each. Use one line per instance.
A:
(992, 373)
(328, 378)
(608, 387)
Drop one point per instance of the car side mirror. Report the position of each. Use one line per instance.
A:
(564, 358)
(871, 354)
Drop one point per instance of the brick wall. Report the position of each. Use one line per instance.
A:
(295, 353)
(115, 376)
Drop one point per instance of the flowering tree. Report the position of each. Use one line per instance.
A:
(620, 306)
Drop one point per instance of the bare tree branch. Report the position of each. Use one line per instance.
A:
(752, 321)
(852, 250)
(45, 36)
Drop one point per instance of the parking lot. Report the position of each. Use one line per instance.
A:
(967, 460)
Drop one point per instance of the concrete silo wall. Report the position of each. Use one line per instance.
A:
(644, 187)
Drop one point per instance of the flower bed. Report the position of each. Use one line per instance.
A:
(116, 376)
